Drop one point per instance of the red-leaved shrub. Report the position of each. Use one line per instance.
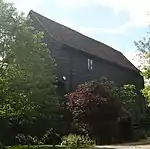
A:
(95, 108)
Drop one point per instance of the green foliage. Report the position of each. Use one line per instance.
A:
(127, 94)
(27, 73)
(27, 76)
(146, 93)
(28, 140)
(77, 141)
(128, 97)
(50, 136)
(21, 138)
(143, 47)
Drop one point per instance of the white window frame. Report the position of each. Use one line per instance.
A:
(90, 64)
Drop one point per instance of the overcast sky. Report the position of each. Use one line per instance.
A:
(117, 23)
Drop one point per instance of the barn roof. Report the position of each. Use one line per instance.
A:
(81, 42)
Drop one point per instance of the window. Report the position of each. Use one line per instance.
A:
(90, 64)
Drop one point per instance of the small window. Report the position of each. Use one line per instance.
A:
(90, 64)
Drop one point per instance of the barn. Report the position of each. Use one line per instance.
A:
(80, 58)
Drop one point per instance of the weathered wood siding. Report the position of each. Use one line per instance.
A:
(73, 64)
(101, 68)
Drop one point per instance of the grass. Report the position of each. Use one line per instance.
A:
(34, 147)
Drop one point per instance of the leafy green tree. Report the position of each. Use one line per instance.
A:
(27, 70)
(143, 47)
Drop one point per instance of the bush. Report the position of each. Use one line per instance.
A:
(89, 106)
(28, 140)
(97, 106)
(128, 97)
(77, 141)
(50, 137)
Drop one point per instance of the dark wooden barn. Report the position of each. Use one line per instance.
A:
(80, 58)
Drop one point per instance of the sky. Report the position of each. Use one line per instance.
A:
(117, 23)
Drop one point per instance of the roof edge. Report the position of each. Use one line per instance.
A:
(33, 13)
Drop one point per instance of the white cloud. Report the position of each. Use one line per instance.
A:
(137, 9)
(25, 5)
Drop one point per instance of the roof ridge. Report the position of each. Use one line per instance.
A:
(99, 42)
(48, 31)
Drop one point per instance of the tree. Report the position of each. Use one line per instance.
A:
(27, 77)
(27, 70)
(143, 47)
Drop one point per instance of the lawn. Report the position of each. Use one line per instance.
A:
(34, 147)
